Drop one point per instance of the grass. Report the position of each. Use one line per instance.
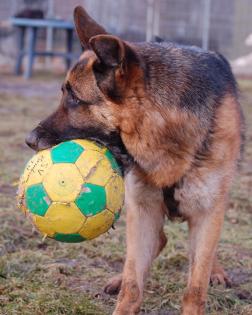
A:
(48, 277)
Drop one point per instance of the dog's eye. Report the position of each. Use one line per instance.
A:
(76, 100)
(73, 100)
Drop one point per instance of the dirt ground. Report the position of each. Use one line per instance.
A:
(43, 278)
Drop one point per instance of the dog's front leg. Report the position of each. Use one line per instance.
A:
(204, 229)
(145, 238)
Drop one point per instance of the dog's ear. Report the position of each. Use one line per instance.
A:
(85, 26)
(112, 69)
(109, 49)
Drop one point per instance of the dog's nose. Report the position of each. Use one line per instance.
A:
(32, 139)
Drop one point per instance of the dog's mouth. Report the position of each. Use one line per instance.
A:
(41, 138)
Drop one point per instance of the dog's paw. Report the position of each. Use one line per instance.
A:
(220, 277)
(113, 286)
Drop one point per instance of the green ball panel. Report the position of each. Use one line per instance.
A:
(117, 216)
(37, 200)
(113, 162)
(66, 152)
(91, 200)
(69, 238)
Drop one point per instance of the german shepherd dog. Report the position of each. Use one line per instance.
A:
(171, 116)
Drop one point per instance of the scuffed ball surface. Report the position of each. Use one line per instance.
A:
(73, 191)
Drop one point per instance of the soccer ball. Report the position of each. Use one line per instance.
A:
(73, 191)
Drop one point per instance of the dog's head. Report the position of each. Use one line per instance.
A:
(93, 92)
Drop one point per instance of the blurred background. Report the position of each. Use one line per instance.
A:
(37, 45)
(222, 25)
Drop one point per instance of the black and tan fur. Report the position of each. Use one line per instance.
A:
(171, 116)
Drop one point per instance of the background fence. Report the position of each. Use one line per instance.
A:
(222, 25)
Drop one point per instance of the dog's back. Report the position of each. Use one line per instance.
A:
(186, 76)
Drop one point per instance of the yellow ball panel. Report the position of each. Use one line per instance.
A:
(87, 162)
(97, 224)
(90, 145)
(63, 182)
(115, 193)
(36, 168)
(43, 225)
(64, 218)
(102, 174)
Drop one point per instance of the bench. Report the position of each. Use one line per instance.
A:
(31, 26)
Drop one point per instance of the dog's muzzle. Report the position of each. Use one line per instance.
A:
(39, 139)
